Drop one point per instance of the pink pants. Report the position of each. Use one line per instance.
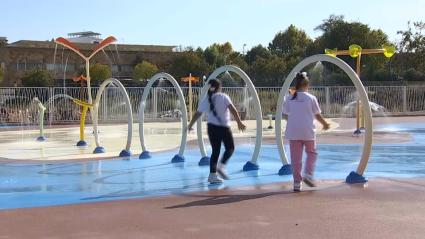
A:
(296, 148)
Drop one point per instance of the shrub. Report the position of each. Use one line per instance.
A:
(38, 78)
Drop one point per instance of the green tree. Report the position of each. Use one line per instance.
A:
(257, 52)
(144, 70)
(413, 40)
(211, 54)
(268, 72)
(38, 78)
(99, 73)
(412, 74)
(291, 43)
(218, 54)
(1, 75)
(410, 62)
(340, 34)
(237, 59)
(186, 63)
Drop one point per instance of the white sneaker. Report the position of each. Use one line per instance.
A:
(309, 181)
(297, 186)
(214, 179)
(222, 171)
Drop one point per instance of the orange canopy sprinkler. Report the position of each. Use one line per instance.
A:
(356, 51)
(79, 78)
(190, 79)
(64, 42)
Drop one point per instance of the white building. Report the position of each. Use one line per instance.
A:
(84, 37)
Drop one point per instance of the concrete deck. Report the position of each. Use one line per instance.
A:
(385, 208)
(20, 144)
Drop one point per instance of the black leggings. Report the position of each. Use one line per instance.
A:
(218, 134)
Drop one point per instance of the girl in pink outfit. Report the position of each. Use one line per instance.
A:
(300, 110)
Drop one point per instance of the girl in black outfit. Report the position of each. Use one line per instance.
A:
(219, 107)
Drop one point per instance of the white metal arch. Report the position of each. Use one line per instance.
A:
(362, 94)
(142, 105)
(100, 149)
(257, 106)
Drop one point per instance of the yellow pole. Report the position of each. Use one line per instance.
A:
(358, 69)
(82, 122)
(190, 97)
(85, 106)
(362, 119)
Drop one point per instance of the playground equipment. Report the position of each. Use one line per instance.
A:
(41, 110)
(252, 164)
(353, 177)
(356, 51)
(99, 149)
(106, 42)
(190, 79)
(145, 153)
(270, 121)
(85, 106)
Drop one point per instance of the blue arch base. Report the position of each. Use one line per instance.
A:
(285, 170)
(177, 159)
(41, 139)
(145, 155)
(204, 161)
(81, 143)
(354, 177)
(99, 150)
(249, 166)
(125, 153)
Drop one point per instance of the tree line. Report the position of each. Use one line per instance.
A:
(269, 65)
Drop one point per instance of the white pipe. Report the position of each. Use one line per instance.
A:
(258, 116)
(127, 103)
(362, 94)
(51, 99)
(88, 81)
(41, 111)
(183, 109)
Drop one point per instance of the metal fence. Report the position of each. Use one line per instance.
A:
(17, 106)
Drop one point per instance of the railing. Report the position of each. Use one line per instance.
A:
(17, 107)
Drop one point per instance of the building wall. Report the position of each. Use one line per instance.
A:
(17, 60)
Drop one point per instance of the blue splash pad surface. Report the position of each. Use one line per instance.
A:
(46, 184)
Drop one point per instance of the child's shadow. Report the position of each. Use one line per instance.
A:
(224, 199)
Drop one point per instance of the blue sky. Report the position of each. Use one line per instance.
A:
(195, 22)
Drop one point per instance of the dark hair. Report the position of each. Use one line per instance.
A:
(301, 80)
(215, 87)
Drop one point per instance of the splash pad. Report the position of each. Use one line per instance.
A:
(252, 164)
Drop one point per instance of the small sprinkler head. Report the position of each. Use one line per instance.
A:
(355, 50)
(389, 50)
(331, 52)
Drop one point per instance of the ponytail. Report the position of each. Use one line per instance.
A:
(215, 86)
(301, 80)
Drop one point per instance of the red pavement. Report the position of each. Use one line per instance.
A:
(386, 208)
